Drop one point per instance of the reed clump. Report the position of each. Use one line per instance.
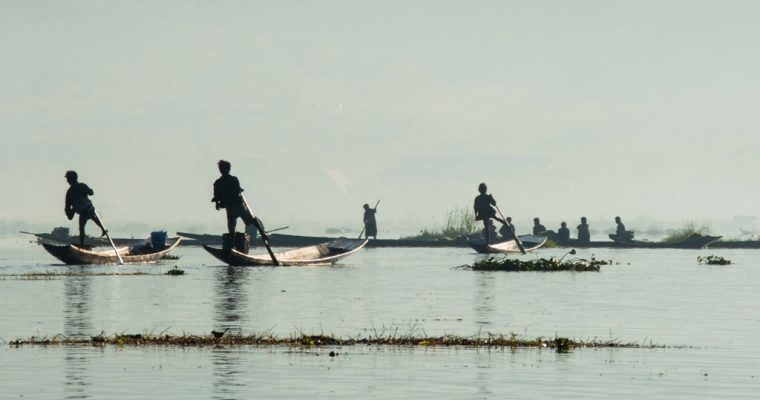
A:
(459, 223)
(307, 341)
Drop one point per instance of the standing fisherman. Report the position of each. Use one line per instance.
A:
(228, 195)
(370, 224)
(483, 210)
(78, 202)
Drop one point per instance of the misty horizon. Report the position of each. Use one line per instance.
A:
(565, 109)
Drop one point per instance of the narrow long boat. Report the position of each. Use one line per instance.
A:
(529, 242)
(321, 254)
(74, 255)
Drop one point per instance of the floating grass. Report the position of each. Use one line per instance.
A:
(551, 264)
(489, 340)
(713, 260)
(33, 276)
(175, 271)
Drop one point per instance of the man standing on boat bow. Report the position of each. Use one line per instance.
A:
(78, 202)
(228, 195)
(483, 210)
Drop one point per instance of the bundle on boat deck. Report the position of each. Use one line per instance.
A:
(138, 254)
(321, 254)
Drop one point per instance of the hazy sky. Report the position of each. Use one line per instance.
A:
(647, 109)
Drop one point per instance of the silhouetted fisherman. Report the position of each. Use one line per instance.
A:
(370, 224)
(78, 202)
(584, 235)
(563, 234)
(228, 195)
(484, 212)
(507, 231)
(620, 233)
(538, 229)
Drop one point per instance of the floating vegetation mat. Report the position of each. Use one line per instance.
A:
(540, 264)
(558, 344)
(713, 260)
(33, 276)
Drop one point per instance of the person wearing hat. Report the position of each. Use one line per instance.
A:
(370, 224)
(78, 202)
(484, 210)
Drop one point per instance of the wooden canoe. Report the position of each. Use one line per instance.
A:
(321, 254)
(530, 242)
(74, 255)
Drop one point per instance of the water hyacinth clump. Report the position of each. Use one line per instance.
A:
(539, 264)
(713, 260)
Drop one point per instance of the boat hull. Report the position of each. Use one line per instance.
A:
(73, 255)
(322, 254)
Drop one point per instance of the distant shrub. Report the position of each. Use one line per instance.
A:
(460, 222)
(690, 230)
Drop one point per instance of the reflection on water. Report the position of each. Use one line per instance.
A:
(231, 311)
(77, 322)
(484, 298)
(230, 298)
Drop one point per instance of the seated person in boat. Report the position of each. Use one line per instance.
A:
(621, 235)
(563, 234)
(78, 202)
(538, 229)
(484, 210)
(584, 235)
(228, 195)
(507, 231)
(370, 224)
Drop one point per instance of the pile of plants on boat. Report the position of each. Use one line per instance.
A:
(690, 230)
(539, 264)
(713, 260)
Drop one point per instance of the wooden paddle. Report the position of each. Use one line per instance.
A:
(514, 234)
(113, 246)
(365, 227)
(262, 234)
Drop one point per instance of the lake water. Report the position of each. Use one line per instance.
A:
(708, 314)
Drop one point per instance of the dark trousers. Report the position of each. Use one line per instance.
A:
(235, 212)
(84, 216)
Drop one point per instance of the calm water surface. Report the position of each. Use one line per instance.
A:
(662, 296)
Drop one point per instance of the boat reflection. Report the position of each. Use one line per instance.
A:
(230, 315)
(77, 323)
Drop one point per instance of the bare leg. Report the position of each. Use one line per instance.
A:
(100, 225)
(82, 223)
(487, 226)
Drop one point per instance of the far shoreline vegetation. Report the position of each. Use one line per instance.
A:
(460, 223)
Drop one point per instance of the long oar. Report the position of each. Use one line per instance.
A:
(277, 229)
(113, 246)
(514, 234)
(263, 235)
(365, 226)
